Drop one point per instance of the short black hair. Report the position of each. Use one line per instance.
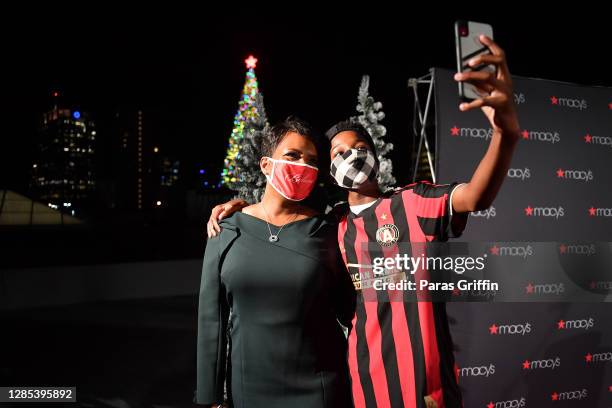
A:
(351, 125)
(275, 135)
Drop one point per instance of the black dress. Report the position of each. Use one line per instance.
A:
(287, 347)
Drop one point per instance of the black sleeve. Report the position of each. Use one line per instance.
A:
(213, 313)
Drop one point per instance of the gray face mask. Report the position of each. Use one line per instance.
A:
(353, 168)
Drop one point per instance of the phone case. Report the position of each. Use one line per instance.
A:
(469, 46)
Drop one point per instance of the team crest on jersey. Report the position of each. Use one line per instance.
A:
(387, 235)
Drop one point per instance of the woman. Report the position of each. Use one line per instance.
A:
(276, 265)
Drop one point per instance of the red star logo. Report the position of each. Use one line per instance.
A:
(560, 173)
(592, 211)
(529, 288)
(560, 324)
(562, 249)
(554, 100)
(491, 405)
(251, 62)
(588, 358)
(528, 210)
(526, 365)
(588, 138)
(525, 134)
(554, 396)
(454, 131)
(494, 250)
(493, 329)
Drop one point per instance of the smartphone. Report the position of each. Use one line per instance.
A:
(469, 46)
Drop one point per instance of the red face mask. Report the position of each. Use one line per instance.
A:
(292, 180)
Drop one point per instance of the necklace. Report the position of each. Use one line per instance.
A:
(274, 237)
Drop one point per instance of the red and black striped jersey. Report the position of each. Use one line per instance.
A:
(400, 350)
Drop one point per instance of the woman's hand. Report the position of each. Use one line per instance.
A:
(222, 211)
(497, 102)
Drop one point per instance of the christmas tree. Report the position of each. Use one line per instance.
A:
(370, 115)
(251, 182)
(246, 112)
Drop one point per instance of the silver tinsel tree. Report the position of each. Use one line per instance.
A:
(370, 115)
(251, 182)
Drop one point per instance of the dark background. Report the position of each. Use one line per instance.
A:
(185, 66)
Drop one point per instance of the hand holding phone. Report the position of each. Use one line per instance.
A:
(484, 77)
(468, 46)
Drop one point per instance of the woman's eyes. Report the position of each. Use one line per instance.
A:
(296, 156)
(293, 155)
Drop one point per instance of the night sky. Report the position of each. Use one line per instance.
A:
(185, 67)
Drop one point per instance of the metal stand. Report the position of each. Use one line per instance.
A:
(414, 83)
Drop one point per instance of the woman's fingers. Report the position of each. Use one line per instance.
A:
(231, 207)
(215, 224)
(214, 216)
(227, 209)
(222, 211)
(209, 230)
